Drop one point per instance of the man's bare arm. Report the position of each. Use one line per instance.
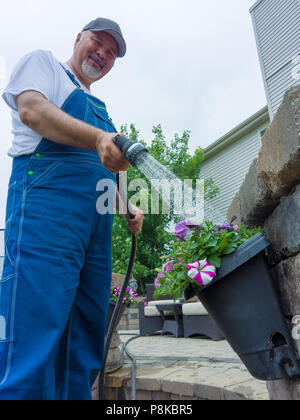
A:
(51, 122)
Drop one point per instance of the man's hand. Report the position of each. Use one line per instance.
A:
(135, 225)
(110, 155)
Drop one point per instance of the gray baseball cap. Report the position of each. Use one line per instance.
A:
(112, 28)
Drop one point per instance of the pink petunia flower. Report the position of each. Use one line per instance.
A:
(201, 271)
(168, 267)
(156, 281)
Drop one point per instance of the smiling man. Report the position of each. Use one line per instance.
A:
(56, 278)
(95, 56)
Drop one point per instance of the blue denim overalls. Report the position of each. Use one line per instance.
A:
(55, 285)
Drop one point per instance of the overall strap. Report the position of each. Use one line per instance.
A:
(77, 84)
(72, 77)
(94, 102)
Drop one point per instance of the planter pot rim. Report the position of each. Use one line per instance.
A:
(245, 252)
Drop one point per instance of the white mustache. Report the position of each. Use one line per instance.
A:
(99, 60)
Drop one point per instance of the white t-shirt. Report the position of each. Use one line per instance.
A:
(42, 72)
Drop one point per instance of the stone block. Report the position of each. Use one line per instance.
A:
(180, 383)
(287, 275)
(133, 326)
(256, 200)
(178, 388)
(143, 395)
(133, 315)
(283, 227)
(233, 396)
(121, 328)
(115, 340)
(113, 357)
(250, 390)
(207, 392)
(235, 210)
(160, 396)
(182, 398)
(150, 378)
(279, 158)
(151, 384)
(116, 379)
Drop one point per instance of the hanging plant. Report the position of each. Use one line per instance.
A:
(197, 253)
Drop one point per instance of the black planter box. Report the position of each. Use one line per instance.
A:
(244, 303)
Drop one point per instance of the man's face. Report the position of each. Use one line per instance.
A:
(94, 55)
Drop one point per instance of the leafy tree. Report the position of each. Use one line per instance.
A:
(154, 241)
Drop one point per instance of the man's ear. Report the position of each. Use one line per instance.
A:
(77, 40)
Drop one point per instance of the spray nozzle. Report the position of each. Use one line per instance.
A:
(129, 148)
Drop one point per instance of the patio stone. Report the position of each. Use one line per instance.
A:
(226, 377)
(181, 397)
(151, 379)
(160, 395)
(143, 395)
(169, 368)
(252, 390)
(116, 379)
(208, 392)
(182, 381)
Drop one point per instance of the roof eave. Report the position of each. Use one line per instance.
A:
(241, 130)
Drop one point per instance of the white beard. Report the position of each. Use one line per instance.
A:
(90, 71)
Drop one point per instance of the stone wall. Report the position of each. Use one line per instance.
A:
(130, 319)
(270, 197)
(180, 381)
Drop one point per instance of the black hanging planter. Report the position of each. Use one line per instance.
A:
(244, 303)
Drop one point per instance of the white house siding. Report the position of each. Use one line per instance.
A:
(278, 84)
(228, 167)
(277, 30)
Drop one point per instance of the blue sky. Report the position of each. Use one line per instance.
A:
(190, 65)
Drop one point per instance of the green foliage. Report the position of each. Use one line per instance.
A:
(206, 242)
(154, 241)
